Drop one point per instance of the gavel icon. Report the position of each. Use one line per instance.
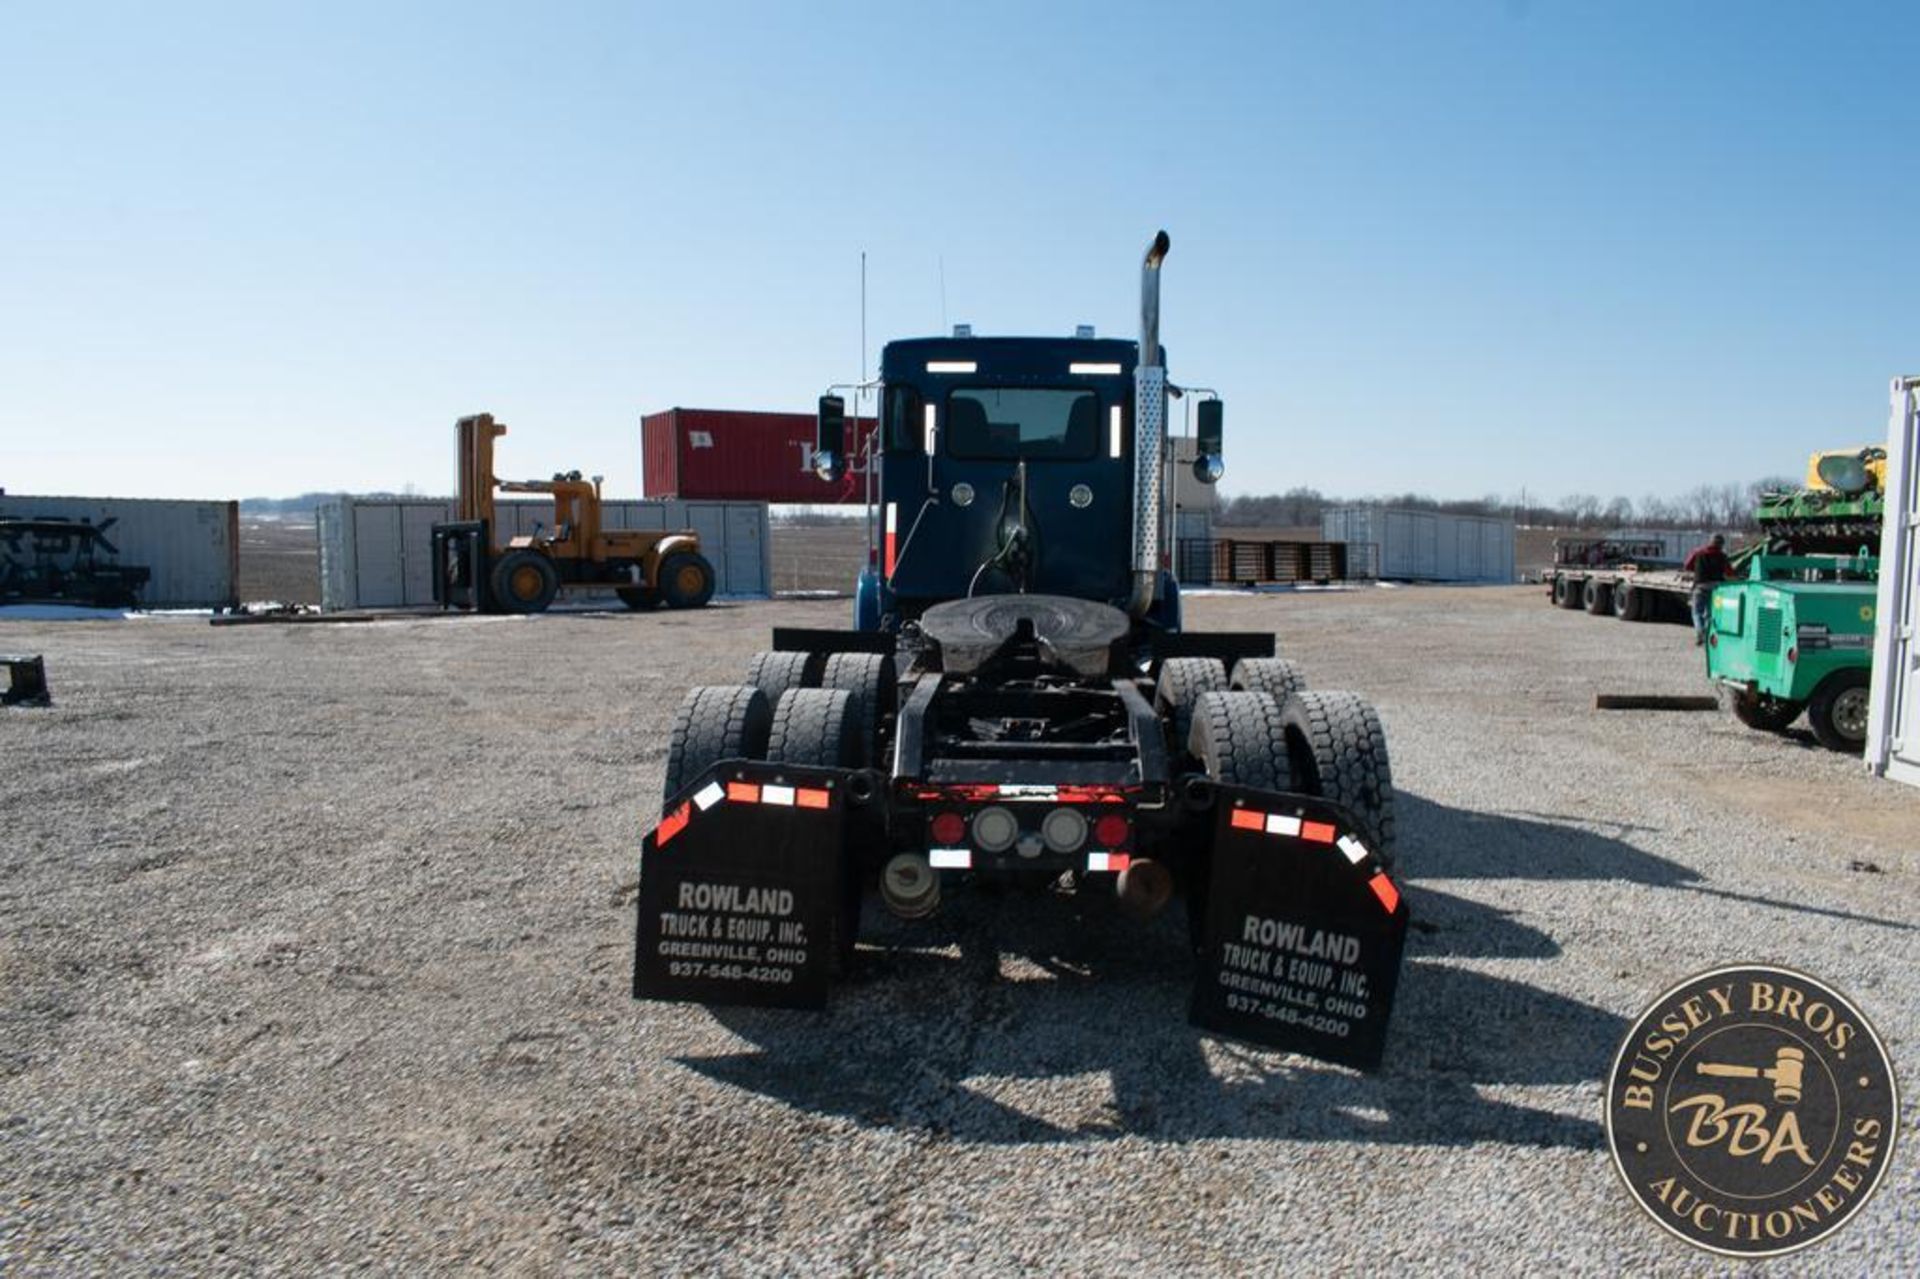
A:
(1788, 1073)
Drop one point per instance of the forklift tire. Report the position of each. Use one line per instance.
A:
(715, 722)
(1274, 675)
(525, 582)
(1837, 711)
(1182, 682)
(814, 726)
(870, 677)
(773, 673)
(1768, 714)
(638, 598)
(1240, 739)
(1598, 596)
(1337, 750)
(686, 580)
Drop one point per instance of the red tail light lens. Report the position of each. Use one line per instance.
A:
(1793, 654)
(1111, 831)
(948, 829)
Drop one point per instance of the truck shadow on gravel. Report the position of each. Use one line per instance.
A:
(1020, 1018)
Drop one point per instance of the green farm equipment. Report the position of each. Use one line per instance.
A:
(1796, 634)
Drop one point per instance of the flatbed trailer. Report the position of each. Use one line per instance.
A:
(1632, 592)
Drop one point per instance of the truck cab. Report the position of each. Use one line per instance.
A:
(1006, 467)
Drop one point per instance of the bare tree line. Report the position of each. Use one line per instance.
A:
(1708, 506)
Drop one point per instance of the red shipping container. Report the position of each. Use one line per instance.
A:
(726, 455)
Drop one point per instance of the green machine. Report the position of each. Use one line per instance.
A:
(1796, 634)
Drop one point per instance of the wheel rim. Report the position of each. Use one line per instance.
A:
(526, 582)
(689, 579)
(1850, 714)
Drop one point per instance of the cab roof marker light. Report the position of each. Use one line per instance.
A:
(1094, 369)
(952, 366)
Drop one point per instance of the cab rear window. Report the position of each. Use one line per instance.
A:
(988, 423)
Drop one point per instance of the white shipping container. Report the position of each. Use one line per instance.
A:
(379, 553)
(1893, 711)
(1423, 546)
(192, 548)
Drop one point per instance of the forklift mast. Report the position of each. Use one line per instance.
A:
(477, 434)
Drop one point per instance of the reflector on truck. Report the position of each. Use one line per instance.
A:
(742, 894)
(1303, 933)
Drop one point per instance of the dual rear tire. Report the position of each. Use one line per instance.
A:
(808, 726)
(1326, 744)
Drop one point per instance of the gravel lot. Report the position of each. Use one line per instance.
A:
(316, 943)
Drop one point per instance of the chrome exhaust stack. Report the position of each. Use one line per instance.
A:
(1149, 434)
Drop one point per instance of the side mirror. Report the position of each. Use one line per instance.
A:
(1207, 467)
(830, 439)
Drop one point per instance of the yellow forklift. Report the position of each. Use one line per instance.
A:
(473, 571)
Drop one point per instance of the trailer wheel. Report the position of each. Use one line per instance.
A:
(638, 598)
(1598, 596)
(1182, 681)
(716, 722)
(773, 673)
(870, 677)
(1274, 675)
(1337, 750)
(1837, 711)
(814, 726)
(1240, 738)
(1768, 714)
(1627, 602)
(686, 580)
(1574, 594)
(525, 582)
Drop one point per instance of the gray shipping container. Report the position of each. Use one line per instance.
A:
(192, 547)
(1426, 546)
(378, 554)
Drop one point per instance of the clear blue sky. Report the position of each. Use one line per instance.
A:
(1459, 248)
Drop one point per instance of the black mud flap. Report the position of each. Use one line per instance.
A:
(1302, 931)
(743, 888)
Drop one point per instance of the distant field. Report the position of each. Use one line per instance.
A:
(279, 560)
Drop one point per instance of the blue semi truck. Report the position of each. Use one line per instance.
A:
(1018, 703)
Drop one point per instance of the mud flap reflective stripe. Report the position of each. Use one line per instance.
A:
(743, 889)
(1303, 932)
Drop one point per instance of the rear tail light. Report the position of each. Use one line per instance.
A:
(948, 829)
(1111, 831)
(1064, 830)
(995, 829)
(1793, 654)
